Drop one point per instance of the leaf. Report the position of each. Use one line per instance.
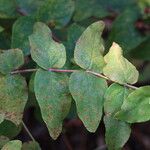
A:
(31, 146)
(90, 8)
(136, 108)
(123, 30)
(22, 28)
(89, 48)
(12, 145)
(142, 51)
(2, 116)
(118, 68)
(88, 92)
(9, 129)
(74, 32)
(3, 141)
(1, 29)
(56, 12)
(13, 97)
(117, 133)
(10, 60)
(114, 97)
(44, 50)
(8, 9)
(30, 7)
(55, 101)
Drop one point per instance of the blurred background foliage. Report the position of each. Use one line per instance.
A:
(127, 22)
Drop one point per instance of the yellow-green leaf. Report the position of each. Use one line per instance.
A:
(118, 68)
(89, 48)
(12, 145)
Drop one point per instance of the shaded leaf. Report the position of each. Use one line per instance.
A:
(29, 7)
(22, 28)
(118, 68)
(123, 30)
(117, 133)
(8, 9)
(88, 92)
(44, 50)
(90, 8)
(55, 101)
(89, 48)
(10, 60)
(9, 129)
(1, 28)
(13, 97)
(56, 12)
(12, 145)
(143, 50)
(136, 108)
(31, 146)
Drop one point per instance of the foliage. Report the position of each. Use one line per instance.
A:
(72, 62)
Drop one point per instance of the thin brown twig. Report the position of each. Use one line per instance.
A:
(70, 71)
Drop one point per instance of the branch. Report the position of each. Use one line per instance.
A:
(27, 130)
(70, 71)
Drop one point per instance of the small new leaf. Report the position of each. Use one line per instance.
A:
(88, 92)
(89, 48)
(10, 60)
(13, 145)
(118, 68)
(55, 101)
(13, 97)
(44, 50)
(136, 108)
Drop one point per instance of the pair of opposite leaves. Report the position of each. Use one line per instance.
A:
(55, 101)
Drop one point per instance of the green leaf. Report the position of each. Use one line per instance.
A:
(10, 60)
(74, 32)
(31, 146)
(88, 92)
(114, 97)
(56, 12)
(55, 101)
(89, 48)
(1, 29)
(117, 133)
(44, 50)
(123, 30)
(12, 145)
(118, 68)
(22, 28)
(8, 9)
(142, 51)
(90, 8)
(30, 7)
(13, 97)
(136, 108)
(9, 129)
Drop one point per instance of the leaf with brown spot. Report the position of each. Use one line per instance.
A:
(88, 93)
(13, 97)
(52, 94)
